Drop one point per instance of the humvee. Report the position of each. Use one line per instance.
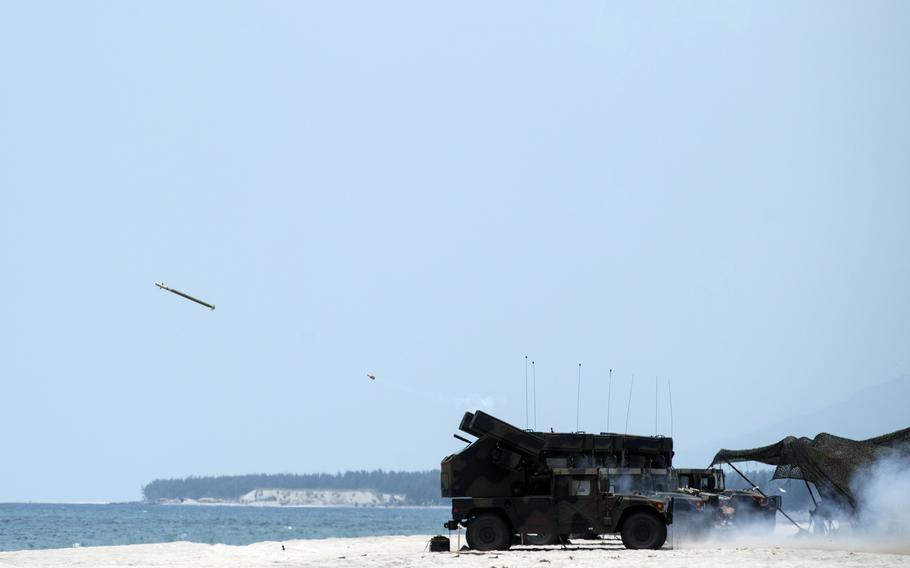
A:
(740, 508)
(502, 485)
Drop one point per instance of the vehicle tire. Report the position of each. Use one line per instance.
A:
(643, 530)
(541, 539)
(488, 532)
(754, 522)
(764, 524)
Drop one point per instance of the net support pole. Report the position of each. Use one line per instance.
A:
(756, 487)
(809, 489)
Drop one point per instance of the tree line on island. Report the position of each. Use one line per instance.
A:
(418, 487)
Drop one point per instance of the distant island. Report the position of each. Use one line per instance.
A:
(377, 488)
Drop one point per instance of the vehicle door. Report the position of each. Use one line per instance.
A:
(577, 503)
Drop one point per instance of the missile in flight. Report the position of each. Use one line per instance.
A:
(164, 286)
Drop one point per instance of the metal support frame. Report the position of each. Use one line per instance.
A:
(812, 495)
(756, 487)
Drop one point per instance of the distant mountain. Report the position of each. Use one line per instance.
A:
(867, 413)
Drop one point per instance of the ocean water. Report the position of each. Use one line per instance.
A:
(26, 526)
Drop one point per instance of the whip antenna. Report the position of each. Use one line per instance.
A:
(609, 393)
(629, 408)
(656, 427)
(670, 393)
(578, 401)
(534, 375)
(527, 413)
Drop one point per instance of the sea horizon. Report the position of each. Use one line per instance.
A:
(29, 526)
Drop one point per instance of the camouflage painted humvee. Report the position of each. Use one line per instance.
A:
(745, 509)
(701, 501)
(502, 485)
(694, 513)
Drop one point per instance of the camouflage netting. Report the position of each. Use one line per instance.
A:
(828, 461)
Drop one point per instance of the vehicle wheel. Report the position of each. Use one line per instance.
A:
(643, 530)
(764, 524)
(754, 523)
(488, 532)
(541, 539)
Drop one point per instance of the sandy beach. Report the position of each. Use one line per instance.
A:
(412, 551)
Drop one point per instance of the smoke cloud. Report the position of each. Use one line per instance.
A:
(881, 522)
(883, 491)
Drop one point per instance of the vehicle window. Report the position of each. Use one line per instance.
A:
(580, 487)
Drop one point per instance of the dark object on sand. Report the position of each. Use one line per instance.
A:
(545, 486)
(828, 461)
(164, 286)
(440, 543)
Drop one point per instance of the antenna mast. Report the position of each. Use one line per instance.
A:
(656, 427)
(578, 402)
(534, 374)
(609, 393)
(629, 408)
(527, 413)
(670, 393)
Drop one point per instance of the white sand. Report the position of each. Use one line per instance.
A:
(388, 551)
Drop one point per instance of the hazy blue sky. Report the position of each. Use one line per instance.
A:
(714, 193)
